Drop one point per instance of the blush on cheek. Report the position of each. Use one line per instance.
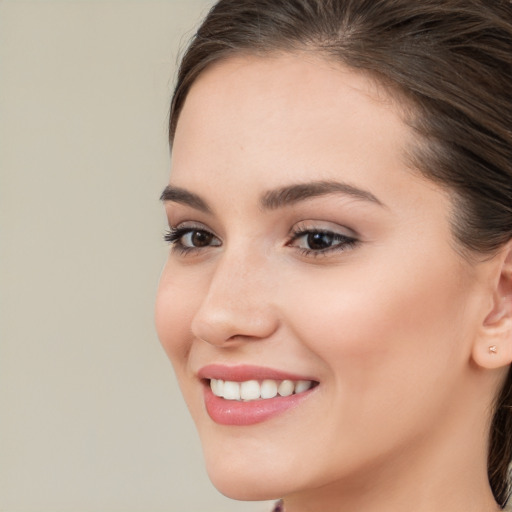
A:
(173, 323)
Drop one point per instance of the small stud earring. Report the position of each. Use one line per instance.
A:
(493, 349)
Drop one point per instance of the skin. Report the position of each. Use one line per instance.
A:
(395, 327)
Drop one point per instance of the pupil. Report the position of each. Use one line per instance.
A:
(319, 240)
(201, 239)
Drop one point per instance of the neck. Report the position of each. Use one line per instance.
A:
(423, 497)
(448, 478)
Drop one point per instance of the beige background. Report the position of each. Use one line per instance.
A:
(91, 418)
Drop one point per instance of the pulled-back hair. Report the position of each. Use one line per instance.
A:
(450, 60)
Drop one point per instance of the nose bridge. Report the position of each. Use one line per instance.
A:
(238, 303)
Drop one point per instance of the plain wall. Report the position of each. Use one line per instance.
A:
(91, 418)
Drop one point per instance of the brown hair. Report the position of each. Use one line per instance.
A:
(451, 59)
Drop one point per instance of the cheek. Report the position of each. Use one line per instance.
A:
(392, 352)
(380, 325)
(176, 303)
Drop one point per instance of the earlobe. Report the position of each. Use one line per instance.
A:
(493, 347)
(493, 356)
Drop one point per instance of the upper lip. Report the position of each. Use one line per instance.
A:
(244, 372)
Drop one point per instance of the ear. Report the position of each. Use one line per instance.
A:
(493, 346)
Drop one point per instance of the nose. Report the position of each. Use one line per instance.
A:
(238, 305)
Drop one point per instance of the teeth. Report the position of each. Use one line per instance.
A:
(250, 390)
(302, 385)
(268, 389)
(217, 387)
(286, 388)
(254, 390)
(231, 390)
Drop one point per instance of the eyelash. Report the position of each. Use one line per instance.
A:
(341, 242)
(174, 236)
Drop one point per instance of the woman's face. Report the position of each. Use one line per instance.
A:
(305, 249)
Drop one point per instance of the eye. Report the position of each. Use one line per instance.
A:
(319, 241)
(196, 238)
(191, 238)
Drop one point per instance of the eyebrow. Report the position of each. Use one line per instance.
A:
(183, 196)
(277, 198)
(288, 195)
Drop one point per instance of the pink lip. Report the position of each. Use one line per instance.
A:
(233, 412)
(245, 372)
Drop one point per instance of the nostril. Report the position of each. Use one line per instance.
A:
(227, 324)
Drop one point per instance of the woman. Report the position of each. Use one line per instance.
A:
(337, 302)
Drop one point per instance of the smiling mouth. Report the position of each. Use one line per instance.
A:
(245, 395)
(251, 390)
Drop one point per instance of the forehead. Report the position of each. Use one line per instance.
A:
(274, 87)
(286, 114)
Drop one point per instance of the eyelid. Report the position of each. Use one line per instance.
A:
(325, 227)
(191, 225)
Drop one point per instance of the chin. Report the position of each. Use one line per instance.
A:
(245, 481)
(245, 487)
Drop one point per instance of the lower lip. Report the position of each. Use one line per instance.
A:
(234, 412)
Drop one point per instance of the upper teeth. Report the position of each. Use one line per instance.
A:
(254, 390)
